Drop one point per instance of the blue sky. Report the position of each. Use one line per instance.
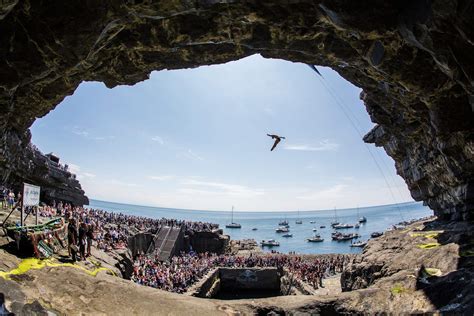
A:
(196, 138)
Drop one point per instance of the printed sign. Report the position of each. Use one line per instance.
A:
(31, 195)
(247, 276)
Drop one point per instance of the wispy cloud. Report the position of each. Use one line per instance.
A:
(75, 169)
(219, 188)
(324, 145)
(332, 192)
(160, 178)
(158, 139)
(86, 134)
(122, 183)
(189, 154)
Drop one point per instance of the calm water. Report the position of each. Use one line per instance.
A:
(379, 218)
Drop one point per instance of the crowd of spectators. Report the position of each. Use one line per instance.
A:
(109, 230)
(186, 269)
(8, 198)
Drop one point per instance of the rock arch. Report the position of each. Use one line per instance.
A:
(413, 59)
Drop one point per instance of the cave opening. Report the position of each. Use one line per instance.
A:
(183, 133)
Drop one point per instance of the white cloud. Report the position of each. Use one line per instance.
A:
(160, 178)
(330, 193)
(86, 134)
(75, 169)
(189, 154)
(81, 133)
(324, 145)
(219, 188)
(122, 183)
(158, 139)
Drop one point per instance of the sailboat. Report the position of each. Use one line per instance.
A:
(299, 221)
(232, 224)
(335, 221)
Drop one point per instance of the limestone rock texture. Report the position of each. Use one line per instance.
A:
(412, 58)
(401, 287)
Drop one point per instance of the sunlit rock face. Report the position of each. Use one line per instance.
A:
(413, 59)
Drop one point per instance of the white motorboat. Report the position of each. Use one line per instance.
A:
(282, 229)
(315, 238)
(343, 226)
(359, 244)
(269, 243)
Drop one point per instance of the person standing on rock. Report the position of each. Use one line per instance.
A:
(90, 237)
(72, 239)
(82, 240)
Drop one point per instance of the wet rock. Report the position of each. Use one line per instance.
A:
(419, 92)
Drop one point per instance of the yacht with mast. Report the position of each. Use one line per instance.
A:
(232, 224)
(335, 221)
(299, 221)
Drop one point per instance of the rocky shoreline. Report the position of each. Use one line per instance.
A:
(404, 271)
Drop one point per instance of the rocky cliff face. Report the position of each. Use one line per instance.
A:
(23, 162)
(412, 58)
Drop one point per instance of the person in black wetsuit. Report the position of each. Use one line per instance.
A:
(82, 240)
(72, 239)
(90, 237)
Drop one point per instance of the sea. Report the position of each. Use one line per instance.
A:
(379, 219)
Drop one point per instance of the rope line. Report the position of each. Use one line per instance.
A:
(341, 105)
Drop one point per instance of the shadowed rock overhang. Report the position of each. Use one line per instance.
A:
(413, 59)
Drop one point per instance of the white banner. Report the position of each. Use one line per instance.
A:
(31, 195)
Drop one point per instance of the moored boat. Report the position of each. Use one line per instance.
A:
(376, 234)
(232, 224)
(315, 238)
(282, 229)
(359, 244)
(287, 235)
(343, 226)
(269, 243)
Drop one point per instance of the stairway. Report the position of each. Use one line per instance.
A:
(169, 247)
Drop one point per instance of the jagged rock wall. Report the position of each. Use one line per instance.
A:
(413, 59)
(213, 242)
(23, 162)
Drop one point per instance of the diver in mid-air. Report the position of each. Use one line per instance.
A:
(277, 140)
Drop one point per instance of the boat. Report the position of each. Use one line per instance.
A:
(284, 223)
(335, 221)
(356, 226)
(282, 229)
(232, 224)
(315, 238)
(287, 235)
(359, 244)
(299, 221)
(312, 222)
(315, 230)
(344, 237)
(342, 226)
(269, 243)
(254, 228)
(362, 219)
(322, 226)
(376, 234)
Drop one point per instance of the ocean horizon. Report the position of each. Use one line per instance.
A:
(379, 218)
